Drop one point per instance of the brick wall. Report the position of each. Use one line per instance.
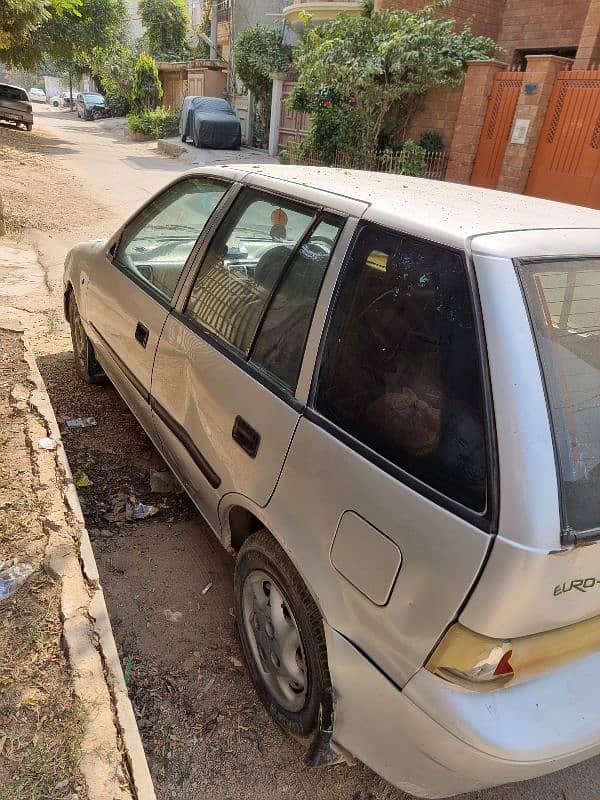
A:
(486, 15)
(439, 114)
(541, 24)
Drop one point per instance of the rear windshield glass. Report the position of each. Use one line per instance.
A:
(93, 98)
(564, 304)
(12, 92)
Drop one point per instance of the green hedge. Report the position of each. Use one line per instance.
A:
(158, 123)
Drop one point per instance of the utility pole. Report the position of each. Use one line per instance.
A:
(70, 90)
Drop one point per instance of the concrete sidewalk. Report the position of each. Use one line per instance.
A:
(112, 763)
(202, 156)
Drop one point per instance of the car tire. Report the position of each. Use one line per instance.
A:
(29, 125)
(284, 645)
(86, 365)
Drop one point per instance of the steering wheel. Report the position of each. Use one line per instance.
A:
(325, 239)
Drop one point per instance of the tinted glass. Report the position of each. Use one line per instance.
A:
(564, 303)
(280, 343)
(245, 260)
(401, 370)
(12, 92)
(156, 244)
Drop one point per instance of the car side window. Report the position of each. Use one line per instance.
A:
(155, 246)
(243, 264)
(400, 369)
(280, 342)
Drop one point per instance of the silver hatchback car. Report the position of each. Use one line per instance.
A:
(383, 394)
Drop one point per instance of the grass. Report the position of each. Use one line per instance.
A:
(44, 763)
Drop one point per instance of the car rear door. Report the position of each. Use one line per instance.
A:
(228, 362)
(132, 287)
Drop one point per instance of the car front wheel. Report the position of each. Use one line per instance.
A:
(282, 635)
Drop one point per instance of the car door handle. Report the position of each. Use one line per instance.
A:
(141, 334)
(245, 435)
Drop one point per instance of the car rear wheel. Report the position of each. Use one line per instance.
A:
(86, 365)
(29, 125)
(282, 635)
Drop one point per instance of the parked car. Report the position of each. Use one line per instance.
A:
(37, 95)
(15, 106)
(382, 393)
(90, 105)
(210, 122)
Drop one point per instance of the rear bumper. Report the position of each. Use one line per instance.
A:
(435, 740)
(13, 115)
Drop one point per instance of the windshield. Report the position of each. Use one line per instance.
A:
(93, 98)
(564, 304)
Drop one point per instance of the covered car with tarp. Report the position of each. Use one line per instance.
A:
(210, 122)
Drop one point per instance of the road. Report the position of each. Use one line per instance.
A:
(204, 731)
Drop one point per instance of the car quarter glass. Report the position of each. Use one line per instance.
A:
(400, 368)
(244, 262)
(282, 335)
(155, 246)
(563, 297)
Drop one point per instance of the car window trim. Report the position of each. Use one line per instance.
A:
(486, 520)
(321, 217)
(317, 212)
(236, 357)
(151, 289)
(195, 268)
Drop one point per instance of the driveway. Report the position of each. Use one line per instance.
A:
(166, 579)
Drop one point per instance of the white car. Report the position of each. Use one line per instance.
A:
(382, 393)
(37, 95)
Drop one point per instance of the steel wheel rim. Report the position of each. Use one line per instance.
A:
(274, 638)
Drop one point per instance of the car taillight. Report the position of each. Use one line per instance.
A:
(29, 108)
(482, 663)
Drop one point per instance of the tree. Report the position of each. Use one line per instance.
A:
(166, 23)
(67, 34)
(114, 66)
(147, 89)
(364, 66)
(20, 18)
(258, 54)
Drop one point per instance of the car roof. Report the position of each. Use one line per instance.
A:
(13, 86)
(448, 212)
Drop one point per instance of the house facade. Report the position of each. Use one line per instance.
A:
(529, 120)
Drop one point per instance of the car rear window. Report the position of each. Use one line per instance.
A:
(563, 297)
(400, 370)
(12, 93)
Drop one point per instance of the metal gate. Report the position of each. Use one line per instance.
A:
(496, 129)
(293, 125)
(567, 161)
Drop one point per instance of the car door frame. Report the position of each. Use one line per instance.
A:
(295, 399)
(298, 397)
(124, 377)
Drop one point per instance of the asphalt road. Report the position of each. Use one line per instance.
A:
(119, 175)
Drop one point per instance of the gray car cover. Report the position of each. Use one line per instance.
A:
(210, 122)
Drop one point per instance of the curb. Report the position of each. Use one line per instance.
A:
(170, 148)
(90, 644)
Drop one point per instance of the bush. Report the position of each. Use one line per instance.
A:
(118, 105)
(158, 122)
(413, 158)
(432, 141)
(147, 89)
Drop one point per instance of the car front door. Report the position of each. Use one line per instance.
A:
(234, 350)
(132, 288)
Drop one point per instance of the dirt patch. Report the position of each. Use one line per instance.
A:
(34, 173)
(40, 718)
(204, 731)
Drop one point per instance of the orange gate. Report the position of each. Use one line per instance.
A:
(567, 161)
(496, 129)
